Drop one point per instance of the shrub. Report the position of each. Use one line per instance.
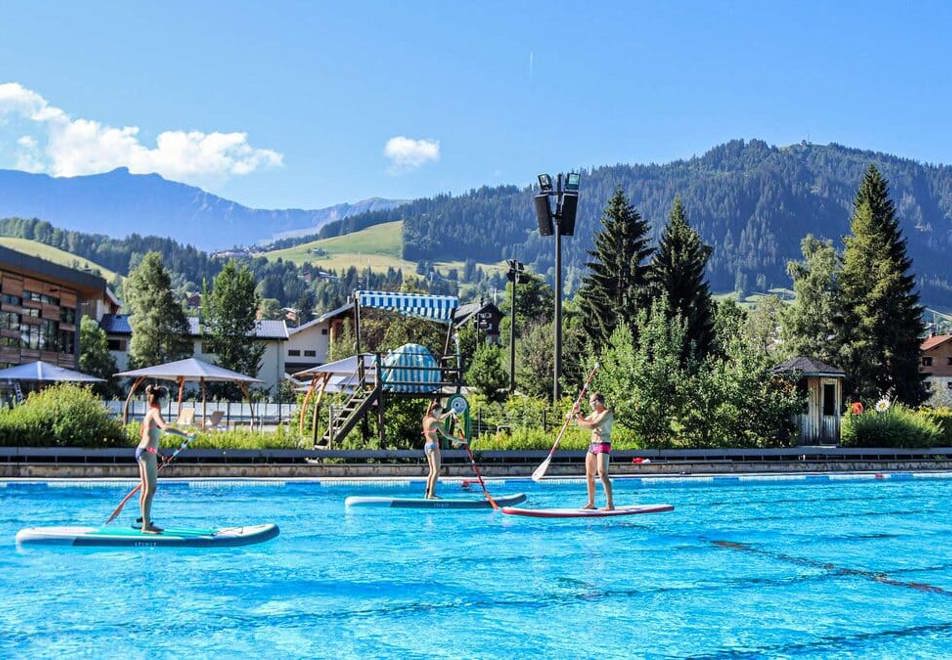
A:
(283, 437)
(63, 415)
(941, 417)
(898, 426)
(575, 439)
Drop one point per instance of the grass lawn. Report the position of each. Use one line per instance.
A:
(378, 247)
(43, 251)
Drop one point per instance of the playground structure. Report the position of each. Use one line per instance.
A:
(370, 380)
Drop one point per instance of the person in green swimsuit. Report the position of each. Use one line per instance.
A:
(147, 453)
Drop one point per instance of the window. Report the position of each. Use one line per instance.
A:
(324, 332)
(310, 353)
(927, 362)
(35, 313)
(68, 315)
(30, 337)
(829, 399)
(40, 298)
(949, 361)
(13, 342)
(49, 335)
(116, 344)
(9, 299)
(949, 384)
(293, 352)
(804, 395)
(9, 321)
(65, 341)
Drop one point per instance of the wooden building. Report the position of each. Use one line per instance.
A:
(41, 307)
(935, 362)
(822, 385)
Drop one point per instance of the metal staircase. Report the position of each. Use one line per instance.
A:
(354, 410)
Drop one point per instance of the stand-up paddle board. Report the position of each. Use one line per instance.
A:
(120, 536)
(588, 513)
(423, 503)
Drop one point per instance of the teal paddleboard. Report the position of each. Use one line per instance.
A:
(125, 537)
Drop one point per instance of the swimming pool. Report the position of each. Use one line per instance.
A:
(741, 567)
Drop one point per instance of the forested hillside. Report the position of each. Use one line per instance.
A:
(750, 201)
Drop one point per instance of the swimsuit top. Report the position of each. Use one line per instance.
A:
(155, 433)
(602, 432)
(432, 433)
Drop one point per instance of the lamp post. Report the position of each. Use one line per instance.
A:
(560, 222)
(516, 268)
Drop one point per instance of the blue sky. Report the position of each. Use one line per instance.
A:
(294, 104)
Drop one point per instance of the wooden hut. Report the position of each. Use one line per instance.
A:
(823, 386)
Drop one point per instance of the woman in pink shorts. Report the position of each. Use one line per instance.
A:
(599, 450)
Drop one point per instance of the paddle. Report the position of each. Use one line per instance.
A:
(185, 443)
(540, 471)
(479, 476)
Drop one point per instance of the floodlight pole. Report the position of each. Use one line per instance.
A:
(514, 276)
(558, 299)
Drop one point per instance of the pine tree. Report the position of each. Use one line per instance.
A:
(614, 288)
(159, 327)
(487, 374)
(94, 356)
(230, 318)
(883, 318)
(677, 272)
(811, 326)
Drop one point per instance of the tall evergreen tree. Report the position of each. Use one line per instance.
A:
(883, 318)
(94, 356)
(159, 326)
(812, 325)
(614, 288)
(229, 320)
(677, 272)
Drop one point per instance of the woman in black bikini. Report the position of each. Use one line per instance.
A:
(147, 453)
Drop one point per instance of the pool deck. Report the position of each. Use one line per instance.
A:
(59, 463)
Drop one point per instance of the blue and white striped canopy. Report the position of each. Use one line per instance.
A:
(410, 368)
(434, 308)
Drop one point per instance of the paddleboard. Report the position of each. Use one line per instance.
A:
(423, 503)
(121, 536)
(588, 513)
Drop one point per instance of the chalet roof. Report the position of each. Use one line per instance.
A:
(464, 312)
(808, 367)
(323, 318)
(934, 342)
(118, 324)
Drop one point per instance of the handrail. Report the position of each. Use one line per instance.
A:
(670, 455)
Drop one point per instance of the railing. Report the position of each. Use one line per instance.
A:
(235, 413)
(676, 456)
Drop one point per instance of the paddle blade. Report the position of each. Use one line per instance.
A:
(540, 471)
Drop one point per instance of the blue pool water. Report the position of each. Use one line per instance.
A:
(741, 568)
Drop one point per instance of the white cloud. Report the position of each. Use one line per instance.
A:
(72, 147)
(408, 154)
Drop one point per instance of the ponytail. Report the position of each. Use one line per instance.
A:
(154, 394)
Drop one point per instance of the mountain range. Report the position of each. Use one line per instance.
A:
(752, 202)
(118, 203)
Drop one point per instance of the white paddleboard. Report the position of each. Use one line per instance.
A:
(423, 503)
(588, 513)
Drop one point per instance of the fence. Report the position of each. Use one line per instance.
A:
(234, 413)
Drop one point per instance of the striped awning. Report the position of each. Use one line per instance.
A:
(410, 368)
(434, 308)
